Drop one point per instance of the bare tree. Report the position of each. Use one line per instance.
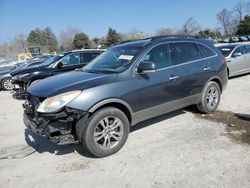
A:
(190, 27)
(248, 7)
(19, 43)
(66, 37)
(134, 34)
(241, 9)
(164, 31)
(225, 19)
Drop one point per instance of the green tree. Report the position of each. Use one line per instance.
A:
(207, 33)
(35, 38)
(113, 37)
(45, 39)
(81, 40)
(244, 26)
(50, 40)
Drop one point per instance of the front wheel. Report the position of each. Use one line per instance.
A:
(7, 84)
(105, 132)
(210, 98)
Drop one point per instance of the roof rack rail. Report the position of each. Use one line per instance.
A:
(162, 37)
(133, 40)
(173, 36)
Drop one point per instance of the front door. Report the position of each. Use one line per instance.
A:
(69, 62)
(155, 89)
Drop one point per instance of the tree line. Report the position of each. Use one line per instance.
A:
(235, 21)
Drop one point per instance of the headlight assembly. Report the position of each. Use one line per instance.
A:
(52, 104)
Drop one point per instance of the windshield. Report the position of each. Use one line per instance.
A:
(114, 60)
(52, 60)
(226, 50)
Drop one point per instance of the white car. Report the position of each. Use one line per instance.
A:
(238, 58)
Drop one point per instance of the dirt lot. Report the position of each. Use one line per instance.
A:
(180, 149)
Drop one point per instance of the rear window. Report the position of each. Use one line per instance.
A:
(206, 52)
(183, 52)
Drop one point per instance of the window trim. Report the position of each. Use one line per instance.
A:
(168, 42)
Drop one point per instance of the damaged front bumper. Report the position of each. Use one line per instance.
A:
(19, 90)
(58, 127)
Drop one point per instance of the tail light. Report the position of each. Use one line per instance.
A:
(224, 61)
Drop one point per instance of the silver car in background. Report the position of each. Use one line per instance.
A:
(238, 58)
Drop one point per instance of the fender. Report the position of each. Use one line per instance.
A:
(108, 101)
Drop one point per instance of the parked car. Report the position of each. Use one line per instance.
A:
(234, 39)
(6, 82)
(125, 85)
(64, 62)
(238, 58)
(243, 39)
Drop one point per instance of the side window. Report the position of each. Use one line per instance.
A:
(247, 49)
(183, 52)
(160, 56)
(205, 51)
(71, 59)
(87, 57)
(239, 50)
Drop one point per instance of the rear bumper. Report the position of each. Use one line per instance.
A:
(57, 127)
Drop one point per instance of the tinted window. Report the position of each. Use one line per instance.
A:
(160, 56)
(247, 49)
(205, 51)
(239, 50)
(183, 52)
(71, 59)
(87, 57)
(226, 50)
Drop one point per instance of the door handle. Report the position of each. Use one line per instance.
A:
(207, 68)
(173, 77)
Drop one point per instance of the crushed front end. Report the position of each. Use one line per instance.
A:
(58, 127)
(20, 88)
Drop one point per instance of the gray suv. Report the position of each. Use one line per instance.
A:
(127, 84)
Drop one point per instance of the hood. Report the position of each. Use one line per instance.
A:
(75, 80)
(24, 69)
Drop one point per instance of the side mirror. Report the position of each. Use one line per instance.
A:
(237, 54)
(146, 66)
(59, 65)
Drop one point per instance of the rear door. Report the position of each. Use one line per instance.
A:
(193, 69)
(247, 54)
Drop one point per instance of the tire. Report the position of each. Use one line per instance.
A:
(105, 132)
(210, 98)
(6, 84)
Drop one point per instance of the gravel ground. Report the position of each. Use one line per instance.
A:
(173, 150)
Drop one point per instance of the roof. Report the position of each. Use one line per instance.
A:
(163, 38)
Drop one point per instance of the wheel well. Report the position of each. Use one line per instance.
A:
(227, 72)
(218, 82)
(120, 106)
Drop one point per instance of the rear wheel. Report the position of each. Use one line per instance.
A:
(7, 84)
(105, 132)
(210, 98)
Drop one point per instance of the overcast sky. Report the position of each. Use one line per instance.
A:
(95, 16)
